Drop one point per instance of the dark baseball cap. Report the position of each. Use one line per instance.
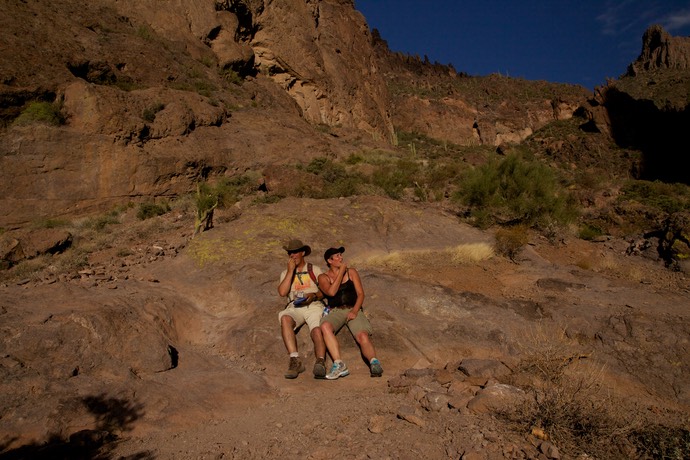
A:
(330, 252)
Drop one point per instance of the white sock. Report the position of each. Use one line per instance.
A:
(294, 355)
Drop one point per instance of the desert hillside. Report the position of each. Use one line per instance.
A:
(523, 245)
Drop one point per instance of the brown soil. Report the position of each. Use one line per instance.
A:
(97, 360)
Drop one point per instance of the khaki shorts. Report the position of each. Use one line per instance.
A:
(311, 314)
(338, 318)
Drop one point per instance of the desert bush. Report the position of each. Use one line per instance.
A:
(204, 88)
(661, 442)
(337, 181)
(231, 76)
(101, 221)
(149, 114)
(425, 146)
(394, 178)
(207, 200)
(588, 232)
(51, 223)
(267, 199)
(146, 33)
(668, 198)
(148, 210)
(569, 403)
(230, 190)
(49, 113)
(327, 169)
(516, 191)
(224, 193)
(511, 240)
(374, 157)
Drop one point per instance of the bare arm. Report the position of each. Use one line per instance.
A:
(331, 288)
(286, 283)
(354, 276)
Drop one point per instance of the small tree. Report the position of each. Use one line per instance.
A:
(206, 203)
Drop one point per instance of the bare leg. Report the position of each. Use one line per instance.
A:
(330, 340)
(319, 345)
(287, 327)
(365, 345)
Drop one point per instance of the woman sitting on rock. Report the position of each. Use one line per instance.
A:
(343, 288)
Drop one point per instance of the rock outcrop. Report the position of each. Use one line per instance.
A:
(156, 99)
(662, 51)
(648, 108)
(442, 103)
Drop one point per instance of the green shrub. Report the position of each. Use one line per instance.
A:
(668, 198)
(146, 33)
(350, 185)
(393, 179)
(149, 113)
(204, 88)
(51, 223)
(354, 159)
(231, 76)
(41, 112)
(337, 181)
(100, 222)
(148, 210)
(327, 169)
(231, 190)
(516, 191)
(589, 232)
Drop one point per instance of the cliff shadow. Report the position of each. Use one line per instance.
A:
(660, 134)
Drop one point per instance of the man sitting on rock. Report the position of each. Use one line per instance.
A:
(299, 284)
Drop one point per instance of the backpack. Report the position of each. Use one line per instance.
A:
(310, 270)
(311, 274)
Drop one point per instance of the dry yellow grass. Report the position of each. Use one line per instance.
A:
(454, 256)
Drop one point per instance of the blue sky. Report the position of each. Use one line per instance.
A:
(568, 41)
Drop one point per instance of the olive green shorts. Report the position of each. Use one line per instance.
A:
(338, 318)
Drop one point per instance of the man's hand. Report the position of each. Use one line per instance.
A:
(291, 265)
(351, 315)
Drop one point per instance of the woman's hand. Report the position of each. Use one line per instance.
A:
(351, 315)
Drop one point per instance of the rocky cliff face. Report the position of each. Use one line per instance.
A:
(648, 108)
(155, 98)
(438, 101)
(147, 101)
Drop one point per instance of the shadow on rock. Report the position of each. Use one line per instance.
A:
(113, 415)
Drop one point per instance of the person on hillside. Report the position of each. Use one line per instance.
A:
(299, 283)
(343, 289)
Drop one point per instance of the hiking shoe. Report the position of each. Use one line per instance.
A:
(375, 369)
(320, 368)
(295, 368)
(338, 370)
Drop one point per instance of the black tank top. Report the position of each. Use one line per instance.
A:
(345, 297)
